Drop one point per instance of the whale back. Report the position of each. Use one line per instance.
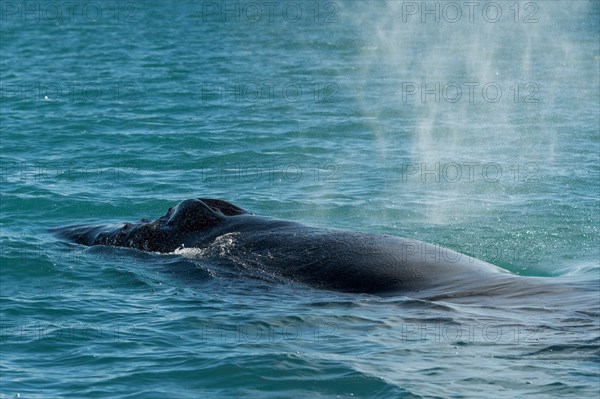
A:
(327, 258)
(186, 222)
(224, 207)
(200, 214)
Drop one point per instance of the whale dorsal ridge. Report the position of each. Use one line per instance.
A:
(225, 207)
(192, 215)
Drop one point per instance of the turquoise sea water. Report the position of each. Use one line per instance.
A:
(473, 128)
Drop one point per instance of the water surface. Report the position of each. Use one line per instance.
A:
(481, 136)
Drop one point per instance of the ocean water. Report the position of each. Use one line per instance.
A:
(473, 127)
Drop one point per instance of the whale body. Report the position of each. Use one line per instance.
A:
(325, 258)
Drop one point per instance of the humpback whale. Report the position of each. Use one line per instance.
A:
(322, 257)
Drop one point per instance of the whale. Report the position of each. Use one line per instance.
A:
(325, 258)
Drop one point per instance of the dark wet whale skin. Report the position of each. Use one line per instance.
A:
(326, 258)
